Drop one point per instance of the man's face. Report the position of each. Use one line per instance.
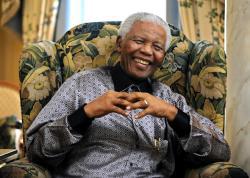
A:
(142, 49)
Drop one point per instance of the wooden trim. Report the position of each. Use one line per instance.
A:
(9, 85)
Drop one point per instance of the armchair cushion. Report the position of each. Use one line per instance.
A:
(23, 169)
(217, 170)
(206, 84)
(40, 76)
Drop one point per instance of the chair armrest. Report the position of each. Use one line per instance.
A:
(217, 170)
(207, 81)
(40, 76)
(23, 168)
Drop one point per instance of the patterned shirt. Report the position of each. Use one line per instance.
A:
(114, 145)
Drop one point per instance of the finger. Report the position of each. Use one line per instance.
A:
(135, 96)
(122, 103)
(142, 114)
(119, 111)
(123, 95)
(142, 104)
(140, 95)
(113, 94)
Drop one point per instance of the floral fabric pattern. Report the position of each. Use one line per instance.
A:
(207, 81)
(195, 70)
(217, 170)
(40, 75)
(39, 88)
(23, 168)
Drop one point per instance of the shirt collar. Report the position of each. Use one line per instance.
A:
(122, 80)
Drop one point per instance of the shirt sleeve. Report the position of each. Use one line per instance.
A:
(43, 144)
(181, 124)
(79, 121)
(205, 142)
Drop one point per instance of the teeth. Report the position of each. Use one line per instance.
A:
(142, 62)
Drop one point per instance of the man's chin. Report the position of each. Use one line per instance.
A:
(141, 76)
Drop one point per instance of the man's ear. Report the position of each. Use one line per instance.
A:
(118, 43)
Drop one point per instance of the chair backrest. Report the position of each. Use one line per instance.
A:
(195, 70)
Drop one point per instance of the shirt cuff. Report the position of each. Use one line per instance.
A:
(181, 124)
(79, 121)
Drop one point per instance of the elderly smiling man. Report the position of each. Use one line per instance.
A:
(118, 122)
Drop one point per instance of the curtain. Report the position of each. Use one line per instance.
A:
(39, 20)
(11, 43)
(8, 9)
(203, 19)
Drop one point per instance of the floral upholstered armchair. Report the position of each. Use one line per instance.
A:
(195, 70)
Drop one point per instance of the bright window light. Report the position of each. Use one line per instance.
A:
(115, 10)
(74, 12)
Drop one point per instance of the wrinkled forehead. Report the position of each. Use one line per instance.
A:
(148, 30)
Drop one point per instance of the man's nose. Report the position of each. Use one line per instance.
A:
(147, 49)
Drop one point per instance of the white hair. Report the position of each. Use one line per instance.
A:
(144, 16)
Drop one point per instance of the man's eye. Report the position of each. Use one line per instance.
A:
(158, 48)
(139, 41)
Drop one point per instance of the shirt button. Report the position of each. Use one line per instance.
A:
(131, 164)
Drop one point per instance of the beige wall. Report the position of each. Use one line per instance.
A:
(238, 100)
(10, 50)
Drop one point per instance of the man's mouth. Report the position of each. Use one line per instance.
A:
(142, 61)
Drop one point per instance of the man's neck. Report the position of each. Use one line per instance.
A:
(122, 80)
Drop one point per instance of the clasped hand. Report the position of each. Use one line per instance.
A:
(123, 102)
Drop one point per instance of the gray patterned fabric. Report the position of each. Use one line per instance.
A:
(114, 145)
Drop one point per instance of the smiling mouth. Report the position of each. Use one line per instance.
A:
(142, 61)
